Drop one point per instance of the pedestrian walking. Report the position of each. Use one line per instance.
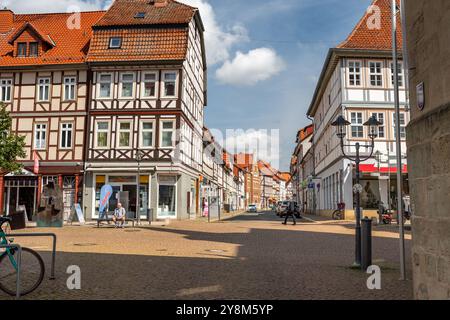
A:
(290, 212)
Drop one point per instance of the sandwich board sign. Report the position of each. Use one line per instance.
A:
(79, 213)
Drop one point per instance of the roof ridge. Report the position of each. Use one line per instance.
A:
(356, 28)
(56, 13)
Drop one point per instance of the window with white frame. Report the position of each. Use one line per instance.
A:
(69, 88)
(105, 82)
(124, 134)
(402, 125)
(376, 73)
(44, 89)
(169, 84)
(40, 135)
(400, 74)
(5, 90)
(357, 124)
(381, 129)
(66, 135)
(147, 133)
(354, 73)
(102, 134)
(149, 80)
(167, 133)
(126, 85)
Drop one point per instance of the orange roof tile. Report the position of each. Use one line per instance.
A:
(123, 12)
(363, 37)
(140, 44)
(69, 44)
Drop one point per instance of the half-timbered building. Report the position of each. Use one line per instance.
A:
(145, 117)
(44, 84)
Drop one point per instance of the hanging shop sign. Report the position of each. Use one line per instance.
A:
(420, 96)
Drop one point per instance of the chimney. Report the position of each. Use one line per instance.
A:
(6, 20)
(160, 3)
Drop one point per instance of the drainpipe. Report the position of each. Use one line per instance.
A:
(313, 147)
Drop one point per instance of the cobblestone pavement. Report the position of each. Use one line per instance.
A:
(251, 256)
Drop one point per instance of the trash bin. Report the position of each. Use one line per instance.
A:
(17, 220)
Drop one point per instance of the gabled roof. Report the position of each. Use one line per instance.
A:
(362, 42)
(156, 12)
(160, 33)
(367, 36)
(140, 44)
(68, 44)
(35, 30)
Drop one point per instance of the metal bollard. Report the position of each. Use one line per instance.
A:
(366, 243)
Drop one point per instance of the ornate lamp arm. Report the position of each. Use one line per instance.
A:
(372, 148)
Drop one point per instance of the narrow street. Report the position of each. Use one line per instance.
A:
(251, 256)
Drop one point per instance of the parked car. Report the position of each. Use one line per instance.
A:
(252, 208)
(282, 206)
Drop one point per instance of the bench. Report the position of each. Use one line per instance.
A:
(108, 220)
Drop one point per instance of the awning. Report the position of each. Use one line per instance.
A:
(371, 168)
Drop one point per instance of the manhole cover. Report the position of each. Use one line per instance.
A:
(84, 244)
(161, 250)
(216, 251)
(132, 230)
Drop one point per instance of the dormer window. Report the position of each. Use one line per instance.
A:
(33, 49)
(115, 42)
(140, 15)
(22, 49)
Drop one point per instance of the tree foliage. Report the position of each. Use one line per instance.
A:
(11, 145)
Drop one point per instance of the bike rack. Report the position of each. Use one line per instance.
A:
(52, 235)
(19, 258)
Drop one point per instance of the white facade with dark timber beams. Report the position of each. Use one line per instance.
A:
(148, 95)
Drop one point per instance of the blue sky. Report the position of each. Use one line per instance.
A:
(301, 32)
(264, 58)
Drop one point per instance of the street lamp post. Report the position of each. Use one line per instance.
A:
(341, 124)
(139, 157)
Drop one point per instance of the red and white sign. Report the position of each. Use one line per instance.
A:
(36, 163)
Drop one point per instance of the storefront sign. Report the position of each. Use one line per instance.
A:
(105, 194)
(420, 95)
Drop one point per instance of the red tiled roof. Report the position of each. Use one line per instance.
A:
(123, 13)
(147, 40)
(140, 44)
(285, 176)
(243, 160)
(363, 37)
(69, 44)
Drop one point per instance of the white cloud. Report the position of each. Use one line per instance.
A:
(246, 69)
(219, 41)
(27, 6)
(264, 144)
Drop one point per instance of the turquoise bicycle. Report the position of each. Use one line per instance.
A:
(32, 268)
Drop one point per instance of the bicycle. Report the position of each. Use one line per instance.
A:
(32, 268)
(339, 213)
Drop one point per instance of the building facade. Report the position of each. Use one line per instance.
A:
(299, 179)
(113, 97)
(429, 145)
(44, 83)
(357, 82)
(146, 110)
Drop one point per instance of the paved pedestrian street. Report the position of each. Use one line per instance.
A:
(251, 256)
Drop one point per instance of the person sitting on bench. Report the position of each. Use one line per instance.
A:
(119, 216)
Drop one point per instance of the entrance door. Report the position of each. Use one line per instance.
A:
(26, 198)
(132, 197)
